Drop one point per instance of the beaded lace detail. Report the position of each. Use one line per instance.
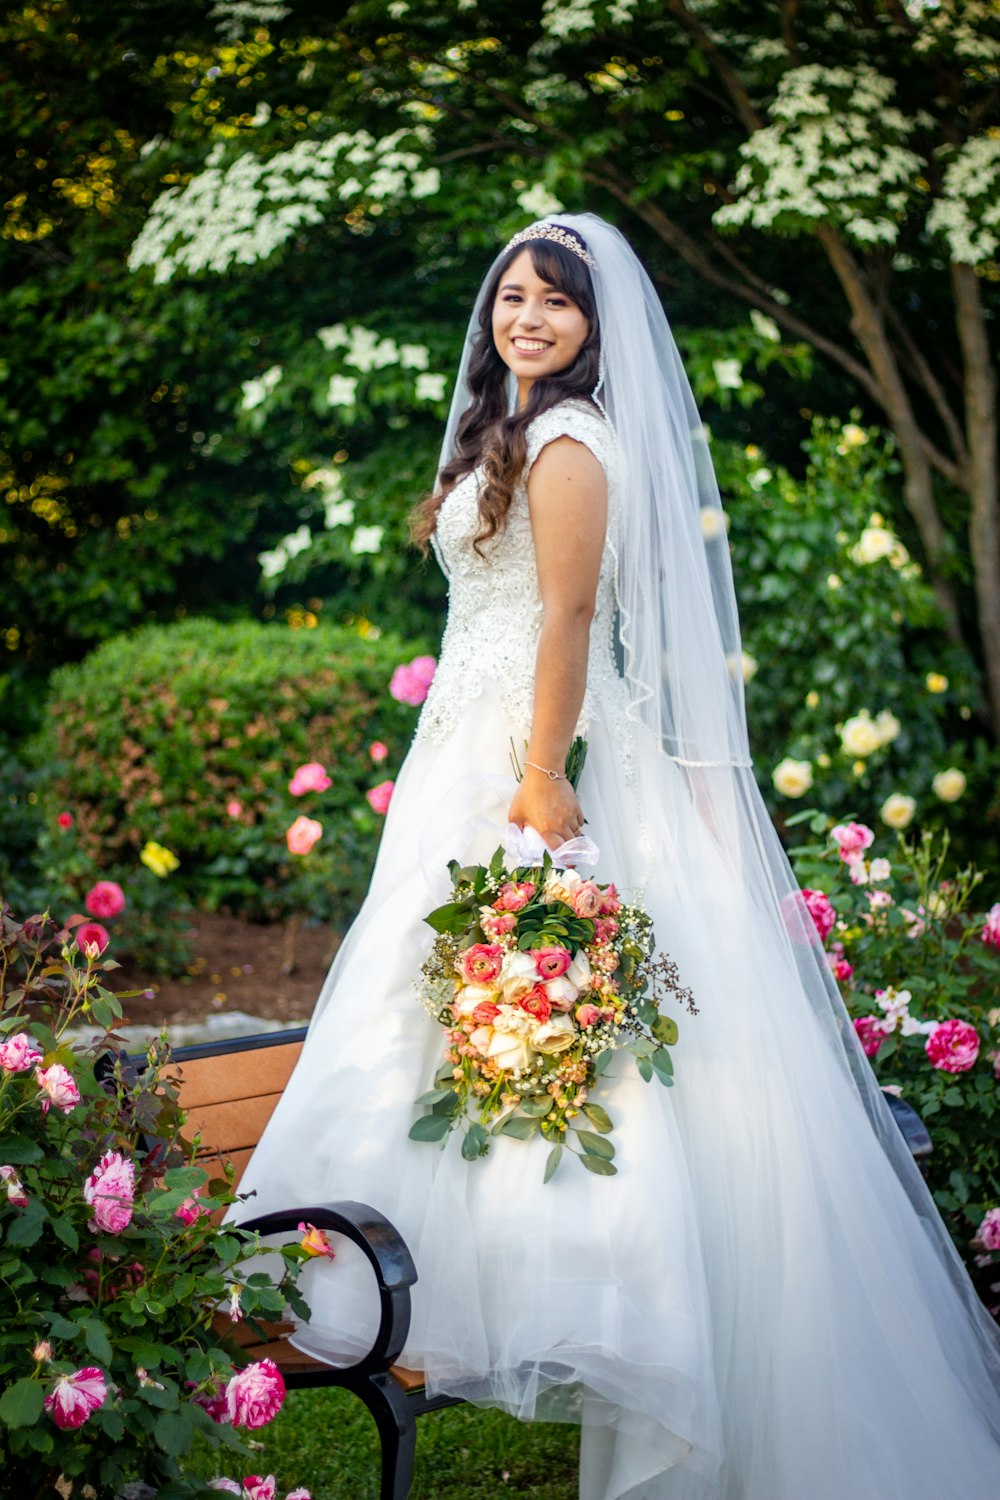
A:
(494, 603)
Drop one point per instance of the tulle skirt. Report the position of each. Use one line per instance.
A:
(751, 1309)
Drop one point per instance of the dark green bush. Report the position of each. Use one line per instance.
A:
(158, 733)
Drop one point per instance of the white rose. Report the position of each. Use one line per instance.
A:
(579, 971)
(880, 869)
(897, 810)
(556, 1035)
(562, 991)
(792, 778)
(949, 785)
(471, 995)
(560, 884)
(887, 725)
(517, 976)
(507, 1051)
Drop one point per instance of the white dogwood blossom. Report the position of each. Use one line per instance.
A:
(967, 214)
(240, 212)
(960, 28)
(539, 201)
(274, 563)
(367, 538)
(342, 390)
(430, 387)
(234, 17)
(256, 392)
(834, 151)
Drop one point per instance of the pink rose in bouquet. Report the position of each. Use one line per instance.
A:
(19, 1053)
(481, 963)
(514, 895)
(485, 1013)
(587, 1015)
(110, 1190)
(953, 1046)
(254, 1396)
(871, 1034)
(311, 777)
(105, 899)
(58, 1088)
(75, 1398)
(551, 962)
(537, 1003)
(588, 899)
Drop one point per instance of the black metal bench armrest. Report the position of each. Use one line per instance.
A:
(915, 1132)
(387, 1253)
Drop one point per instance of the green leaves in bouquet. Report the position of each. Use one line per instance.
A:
(575, 758)
(544, 923)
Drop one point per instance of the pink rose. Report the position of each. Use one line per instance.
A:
(19, 1053)
(485, 1013)
(315, 1242)
(588, 899)
(587, 1015)
(254, 1396)
(551, 962)
(991, 926)
(255, 1488)
(380, 796)
(42, 1352)
(988, 1233)
(610, 902)
(842, 970)
(58, 1088)
(481, 963)
(303, 833)
(514, 895)
(110, 1189)
(537, 1003)
(300, 1494)
(105, 899)
(75, 1397)
(410, 681)
(16, 1196)
(605, 929)
(309, 778)
(234, 807)
(190, 1211)
(879, 899)
(498, 923)
(65, 820)
(953, 1046)
(226, 1486)
(379, 751)
(852, 839)
(870, 1033)
(819, 906)
(92, 939)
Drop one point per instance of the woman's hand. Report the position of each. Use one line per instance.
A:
(552, 807)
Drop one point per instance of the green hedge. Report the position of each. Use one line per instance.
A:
(156, 732)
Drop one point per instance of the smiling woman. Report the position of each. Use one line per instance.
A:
(538, 329)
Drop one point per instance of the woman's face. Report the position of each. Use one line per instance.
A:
(537, 329)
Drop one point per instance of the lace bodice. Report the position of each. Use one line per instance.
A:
(494, 602)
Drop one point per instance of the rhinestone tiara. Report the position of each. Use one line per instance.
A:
(557, 234)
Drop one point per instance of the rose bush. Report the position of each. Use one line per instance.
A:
(114, 1359)
(918, 964)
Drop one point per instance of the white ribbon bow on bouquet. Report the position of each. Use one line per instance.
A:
(525, 846)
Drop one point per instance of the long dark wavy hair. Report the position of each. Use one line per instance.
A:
(490, 435)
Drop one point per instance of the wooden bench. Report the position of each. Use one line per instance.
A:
(229, 1091)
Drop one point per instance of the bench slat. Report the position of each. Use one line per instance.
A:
(237, 1075)
(292, 1361)
(236, 1125)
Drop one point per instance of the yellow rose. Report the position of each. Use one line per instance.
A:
(853, 435)
(950, 784)
(859, 768)
(161, 861)
(936, 682)
(714, 522)
(874, 543)
(812, 698)
(792, 778)
(834, 581)
(887, 725)
(860, 735)
(897, 810)
(823, 760)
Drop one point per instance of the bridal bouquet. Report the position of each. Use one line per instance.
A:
(537, 976)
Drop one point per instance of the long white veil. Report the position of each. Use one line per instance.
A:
(680, 657)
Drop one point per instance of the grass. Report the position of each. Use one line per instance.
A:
(326, 1441)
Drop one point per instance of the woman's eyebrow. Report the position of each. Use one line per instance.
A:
(515, 286)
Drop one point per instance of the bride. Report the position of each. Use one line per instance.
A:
(763, 1304)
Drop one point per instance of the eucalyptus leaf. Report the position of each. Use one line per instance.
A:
(595, 1145)
(599, 1165)
(664, 1028)
(520, 1128)
(551, 1163)
(430, 1128)
(598, 1117)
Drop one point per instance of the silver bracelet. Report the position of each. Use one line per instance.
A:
(552, 775)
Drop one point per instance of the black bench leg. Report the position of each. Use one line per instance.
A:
(397, 1431)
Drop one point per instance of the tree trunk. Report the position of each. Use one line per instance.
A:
(981, 436)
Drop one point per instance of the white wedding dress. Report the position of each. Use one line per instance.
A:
(751, 1309)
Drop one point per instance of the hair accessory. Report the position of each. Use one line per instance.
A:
(556, 233)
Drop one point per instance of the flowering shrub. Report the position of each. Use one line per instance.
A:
(112, 1362)
(918, 965)
(174, 750)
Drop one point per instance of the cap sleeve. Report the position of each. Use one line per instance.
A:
(587, 427)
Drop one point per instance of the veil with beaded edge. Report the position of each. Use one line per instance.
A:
(681, 661)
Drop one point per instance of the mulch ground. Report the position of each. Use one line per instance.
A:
(273, 970)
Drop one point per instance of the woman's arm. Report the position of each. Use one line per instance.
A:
(568, 505)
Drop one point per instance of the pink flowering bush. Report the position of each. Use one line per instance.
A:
(112, 1363)
(917, 962)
